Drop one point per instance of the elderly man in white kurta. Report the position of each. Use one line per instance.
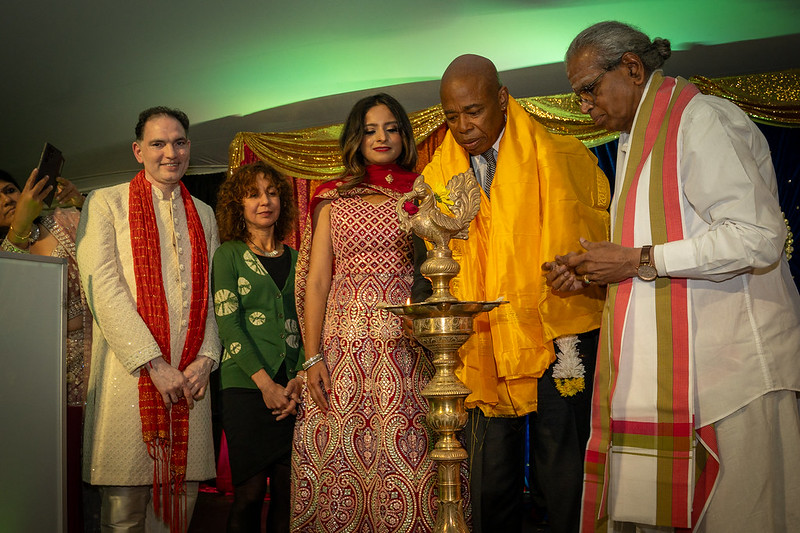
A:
(143, 251)
(695, 423)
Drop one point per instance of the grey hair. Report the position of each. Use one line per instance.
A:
(611, 39)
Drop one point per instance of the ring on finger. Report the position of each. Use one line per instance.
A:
(586, 280)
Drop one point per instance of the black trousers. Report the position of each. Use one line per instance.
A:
(559, 431)
(496, 448)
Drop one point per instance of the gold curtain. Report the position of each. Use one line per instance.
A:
(313, 153)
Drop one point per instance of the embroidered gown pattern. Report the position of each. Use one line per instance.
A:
(363, 465)
(63, 225)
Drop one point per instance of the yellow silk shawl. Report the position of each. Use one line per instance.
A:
(546, 194)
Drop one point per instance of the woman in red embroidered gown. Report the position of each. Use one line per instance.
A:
(360, 448)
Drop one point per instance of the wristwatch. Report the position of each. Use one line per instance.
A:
(35, 233)
(647, 269)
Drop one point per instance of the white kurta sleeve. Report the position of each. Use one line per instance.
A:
(729, 185)
(110, 299)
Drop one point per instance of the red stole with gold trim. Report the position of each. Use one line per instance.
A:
(166, 433)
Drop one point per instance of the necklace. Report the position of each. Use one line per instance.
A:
(274, 253)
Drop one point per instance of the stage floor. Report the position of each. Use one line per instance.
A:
(211, 514)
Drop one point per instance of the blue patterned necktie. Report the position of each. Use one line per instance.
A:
(488, 155)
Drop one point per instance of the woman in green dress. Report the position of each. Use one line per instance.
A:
(253, 285)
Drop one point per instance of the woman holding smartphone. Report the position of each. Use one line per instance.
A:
(25, 232)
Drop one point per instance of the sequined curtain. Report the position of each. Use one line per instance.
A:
(784, 145)
(312, 155)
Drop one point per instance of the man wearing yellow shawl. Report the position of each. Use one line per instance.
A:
(542, 192)
(695, 422)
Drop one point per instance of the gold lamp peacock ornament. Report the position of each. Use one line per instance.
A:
(442, 323)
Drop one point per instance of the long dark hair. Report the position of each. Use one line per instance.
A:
(232, 192)
(353, 133)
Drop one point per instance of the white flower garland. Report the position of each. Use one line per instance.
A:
(569, 371)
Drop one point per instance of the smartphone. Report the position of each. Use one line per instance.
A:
(50, 165)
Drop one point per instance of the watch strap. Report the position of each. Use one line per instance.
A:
(646, 270)
(646, 257)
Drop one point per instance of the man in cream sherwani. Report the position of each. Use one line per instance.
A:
(143, 251)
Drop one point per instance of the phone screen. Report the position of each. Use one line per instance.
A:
(50, 165)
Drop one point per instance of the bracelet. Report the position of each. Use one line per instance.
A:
(313, 361)
(23, 237)
(20, 238)
(8, 246)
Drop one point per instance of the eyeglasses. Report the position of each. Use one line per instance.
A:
(585, 95)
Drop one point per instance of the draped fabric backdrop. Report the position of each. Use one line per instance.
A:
(772, 100)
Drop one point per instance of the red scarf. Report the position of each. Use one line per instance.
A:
(391, 180)
(166, 433)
